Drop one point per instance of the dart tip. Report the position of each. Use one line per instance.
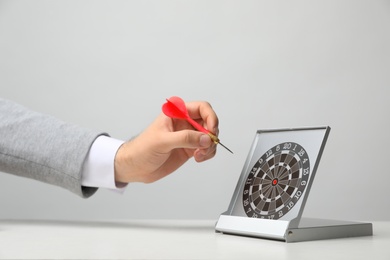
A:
(226, 148)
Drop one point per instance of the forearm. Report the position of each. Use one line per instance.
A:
(43, 148)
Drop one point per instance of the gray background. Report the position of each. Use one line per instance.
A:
(109, 65)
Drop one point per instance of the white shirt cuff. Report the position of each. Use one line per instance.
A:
(98, 170)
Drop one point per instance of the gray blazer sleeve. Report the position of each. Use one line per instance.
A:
(43, 148)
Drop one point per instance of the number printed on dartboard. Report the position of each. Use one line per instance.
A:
(276, 181)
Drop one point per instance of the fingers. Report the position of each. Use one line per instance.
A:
(205, 148)
(201, 155)
(187, 139)
(203, 110)
(198, 144)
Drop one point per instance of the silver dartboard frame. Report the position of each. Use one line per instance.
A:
(279, 216)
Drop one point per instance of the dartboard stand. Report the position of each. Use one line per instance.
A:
(273, 188)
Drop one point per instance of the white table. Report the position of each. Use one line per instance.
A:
(170, 239)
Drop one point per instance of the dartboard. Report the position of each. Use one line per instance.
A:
(276, 181)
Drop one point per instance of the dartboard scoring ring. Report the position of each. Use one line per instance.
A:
(276, 181)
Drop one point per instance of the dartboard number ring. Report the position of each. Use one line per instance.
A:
(276, 181)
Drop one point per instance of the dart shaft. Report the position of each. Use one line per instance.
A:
(203, 130)
(178, 110)
(198, 126)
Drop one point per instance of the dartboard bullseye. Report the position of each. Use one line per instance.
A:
(276, 181)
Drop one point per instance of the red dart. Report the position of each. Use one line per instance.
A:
(176, 108)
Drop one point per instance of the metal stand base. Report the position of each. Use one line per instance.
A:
(316, 229)
(307, 230)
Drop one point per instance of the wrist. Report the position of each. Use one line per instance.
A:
(120, 168)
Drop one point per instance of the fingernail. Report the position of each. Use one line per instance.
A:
(204, 141)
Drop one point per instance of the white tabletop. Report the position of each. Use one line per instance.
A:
(170, 239)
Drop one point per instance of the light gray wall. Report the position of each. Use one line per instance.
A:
(109, 65)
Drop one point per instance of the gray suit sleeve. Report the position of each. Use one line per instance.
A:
(43, 148)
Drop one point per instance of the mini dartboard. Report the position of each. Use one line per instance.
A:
(273, 188)
(278, 172)
(276, 181)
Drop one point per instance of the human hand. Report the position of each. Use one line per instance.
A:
(166, 145)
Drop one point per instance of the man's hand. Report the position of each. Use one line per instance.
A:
(166, 145)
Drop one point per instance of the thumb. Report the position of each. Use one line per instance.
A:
(188, 139)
